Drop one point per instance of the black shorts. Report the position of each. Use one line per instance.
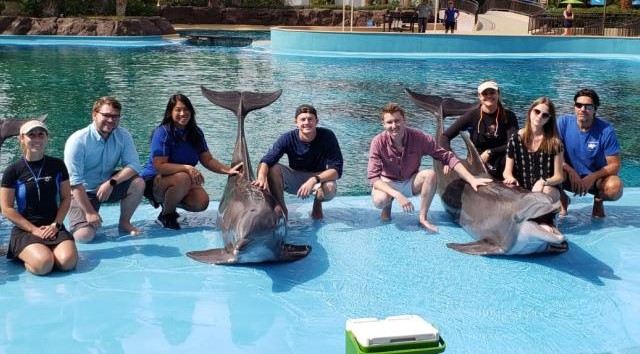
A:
(148, 191)
(566, 185)
(449, 25)
(20, 239)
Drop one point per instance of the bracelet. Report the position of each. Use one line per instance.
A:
(318, 180)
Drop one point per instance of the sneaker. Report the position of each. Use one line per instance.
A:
(169, 221)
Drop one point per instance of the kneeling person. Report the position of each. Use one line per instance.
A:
(35, 197)
(315, 163)
(394, 163)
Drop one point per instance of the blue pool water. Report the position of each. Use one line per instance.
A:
(132, 295)
(143, 295)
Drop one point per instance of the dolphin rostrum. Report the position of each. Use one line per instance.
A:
(503, 219)
(253, 225)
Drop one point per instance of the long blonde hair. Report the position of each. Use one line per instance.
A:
(551, 143)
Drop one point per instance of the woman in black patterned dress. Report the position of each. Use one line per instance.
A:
(535, 153)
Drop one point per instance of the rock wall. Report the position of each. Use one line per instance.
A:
(78, 26)
(266, 17)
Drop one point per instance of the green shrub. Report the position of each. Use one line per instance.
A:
(32, 8)
(73, 8)
(141, 7)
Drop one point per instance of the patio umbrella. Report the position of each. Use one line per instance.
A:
(572, 2)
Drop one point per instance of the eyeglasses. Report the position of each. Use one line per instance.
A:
(538, 112)
(110, 116)
(489, 92)
(587, 106)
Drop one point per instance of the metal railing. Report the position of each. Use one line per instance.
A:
(517, 6)
(587, 25)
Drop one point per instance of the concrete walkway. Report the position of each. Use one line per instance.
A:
(491, 23)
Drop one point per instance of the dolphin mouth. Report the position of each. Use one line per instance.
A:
(547, 226)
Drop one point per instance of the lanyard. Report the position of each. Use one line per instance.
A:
(36, 178)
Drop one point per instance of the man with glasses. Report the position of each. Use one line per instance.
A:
(92, 156)
(591, 154)
(315, 163)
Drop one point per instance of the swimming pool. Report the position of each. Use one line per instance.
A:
(143, 294)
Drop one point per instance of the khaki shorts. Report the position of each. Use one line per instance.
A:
(78, 218)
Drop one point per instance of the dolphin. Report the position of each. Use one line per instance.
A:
(11, 127)
(504, 220)
(253, 225)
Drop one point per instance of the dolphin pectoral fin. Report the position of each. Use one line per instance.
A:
(3, 251)
(213, 256)
(482, 248)
(290, 253)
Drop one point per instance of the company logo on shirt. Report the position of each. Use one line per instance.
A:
(592, 145)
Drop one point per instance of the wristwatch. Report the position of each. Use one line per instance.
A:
(318, 180)
(113, 182)
(57, 225)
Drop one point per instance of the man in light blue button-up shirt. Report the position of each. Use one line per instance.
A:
(93, 156)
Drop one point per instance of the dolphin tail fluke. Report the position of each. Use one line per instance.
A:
(438, 106)
(291, 253)
(11, 127)
(482, 248)
(238, 102)
(213, 256)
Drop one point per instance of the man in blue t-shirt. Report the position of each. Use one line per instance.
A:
(451, 14)
(591, 154)
(315, 163)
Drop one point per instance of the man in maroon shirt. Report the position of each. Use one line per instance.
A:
(394, 166)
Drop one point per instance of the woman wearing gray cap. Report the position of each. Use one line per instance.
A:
(35, 195)
(489, 126)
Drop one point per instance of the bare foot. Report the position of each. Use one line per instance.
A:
(316, 212)
(129, 229)
(385, 215)
(564, 204)
(598, 208)
(427, 225)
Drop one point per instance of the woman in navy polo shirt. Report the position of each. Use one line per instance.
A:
(177, 145)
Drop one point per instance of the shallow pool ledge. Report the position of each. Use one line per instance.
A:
(294, 41)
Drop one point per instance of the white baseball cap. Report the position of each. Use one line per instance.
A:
(488, 85)
(31, 125)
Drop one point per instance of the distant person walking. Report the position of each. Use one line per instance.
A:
(567, 15)
(451, 14)
(424, 13)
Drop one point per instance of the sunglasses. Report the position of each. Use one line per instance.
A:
(538, 112)
(587, 106)
(488, 92)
